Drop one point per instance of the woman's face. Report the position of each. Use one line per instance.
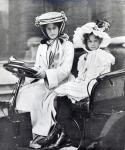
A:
(93, 43)
(52, 30)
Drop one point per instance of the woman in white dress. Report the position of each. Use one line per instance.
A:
(53, 62)
(93, 63)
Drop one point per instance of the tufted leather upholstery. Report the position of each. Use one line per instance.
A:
(78, 53)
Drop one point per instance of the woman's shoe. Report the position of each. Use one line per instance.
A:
(62, 141)
(33, 143)
(51, 137)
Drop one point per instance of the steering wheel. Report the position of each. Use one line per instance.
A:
(20, 69)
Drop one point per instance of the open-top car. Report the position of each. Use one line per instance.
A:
(100, 118)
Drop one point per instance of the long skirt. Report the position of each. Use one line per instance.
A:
(39, 101)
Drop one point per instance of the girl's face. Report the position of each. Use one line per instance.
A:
(93, 42)
(52, 30)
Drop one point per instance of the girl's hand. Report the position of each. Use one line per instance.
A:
(41, 74)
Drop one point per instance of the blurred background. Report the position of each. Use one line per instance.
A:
(17, 20)
(19, 37)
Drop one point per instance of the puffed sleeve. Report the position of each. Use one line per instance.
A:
(108, 59)
(57, 75)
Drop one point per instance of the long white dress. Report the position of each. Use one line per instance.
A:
(90, 66)
(34, 97)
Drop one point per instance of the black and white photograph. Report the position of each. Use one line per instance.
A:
(62, 74)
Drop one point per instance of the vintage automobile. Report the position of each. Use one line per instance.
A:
(101, 118)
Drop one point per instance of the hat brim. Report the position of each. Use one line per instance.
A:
(50, 17)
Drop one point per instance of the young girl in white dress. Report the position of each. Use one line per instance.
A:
(93, 63)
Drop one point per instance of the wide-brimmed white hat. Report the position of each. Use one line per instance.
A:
(91, 27)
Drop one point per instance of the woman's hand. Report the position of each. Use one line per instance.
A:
(41, 74)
